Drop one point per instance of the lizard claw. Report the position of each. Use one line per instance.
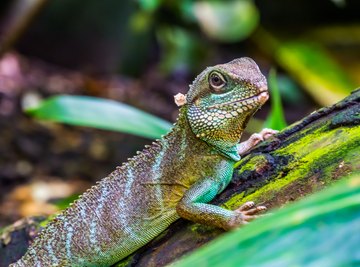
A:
(249, 211)
(248, 205)
(254, 139)
(255, 210)
(267, 133)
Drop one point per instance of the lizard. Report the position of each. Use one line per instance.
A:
(174, 177)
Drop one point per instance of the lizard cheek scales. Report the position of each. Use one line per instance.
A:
(174, 177)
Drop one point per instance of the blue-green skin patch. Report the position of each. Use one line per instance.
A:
(172, 178)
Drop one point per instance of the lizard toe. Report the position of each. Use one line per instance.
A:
(266, 133)
(254, 210)
(246, 206)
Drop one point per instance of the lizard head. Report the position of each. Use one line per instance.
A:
(223, 98)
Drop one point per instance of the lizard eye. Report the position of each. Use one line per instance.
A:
(216, 81)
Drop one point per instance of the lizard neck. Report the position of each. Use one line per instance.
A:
(182, 131)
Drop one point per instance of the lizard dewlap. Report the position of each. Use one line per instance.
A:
(174, 177)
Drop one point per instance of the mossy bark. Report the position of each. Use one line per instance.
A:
(303, 158)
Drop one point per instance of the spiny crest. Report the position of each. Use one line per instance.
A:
(149, 151)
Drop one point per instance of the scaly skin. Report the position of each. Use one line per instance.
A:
(174, 177)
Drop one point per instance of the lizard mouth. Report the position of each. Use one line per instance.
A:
(261, 98)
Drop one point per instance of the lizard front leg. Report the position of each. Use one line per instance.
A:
(254, 139)
(194, 208)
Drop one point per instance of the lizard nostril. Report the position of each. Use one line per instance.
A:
(263, 97)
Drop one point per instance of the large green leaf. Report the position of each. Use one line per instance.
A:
(325, 80)
(106, 114)
(100, 113)
(323, 230)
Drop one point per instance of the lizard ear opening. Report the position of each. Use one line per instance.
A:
(180, 99)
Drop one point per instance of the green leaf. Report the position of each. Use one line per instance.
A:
(149, 5)
(228, 21)
(322, 230)
(182, 50)
(290, 91)
(275, 119)
(311, 65)
(324, 79)
(65, 202)
(100, 113)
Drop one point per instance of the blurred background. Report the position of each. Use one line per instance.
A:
(142, 52)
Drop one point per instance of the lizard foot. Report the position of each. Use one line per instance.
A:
(249, 209)
(245, 213)
(254, 139)
(266, 133)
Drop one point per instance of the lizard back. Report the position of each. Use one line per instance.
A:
(128, 208)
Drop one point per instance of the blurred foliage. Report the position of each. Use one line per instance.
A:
(101, 114)
(228, 21)
(276, 118)
(310, 65)
(183, 37)
(126, 36)
(308, 62)
(182, 49)
(149, 5)
(19, 14)
(290, 90)
(321, 230)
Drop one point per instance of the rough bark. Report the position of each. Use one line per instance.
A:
(303, 158)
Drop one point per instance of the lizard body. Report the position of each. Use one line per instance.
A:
(174, 177)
